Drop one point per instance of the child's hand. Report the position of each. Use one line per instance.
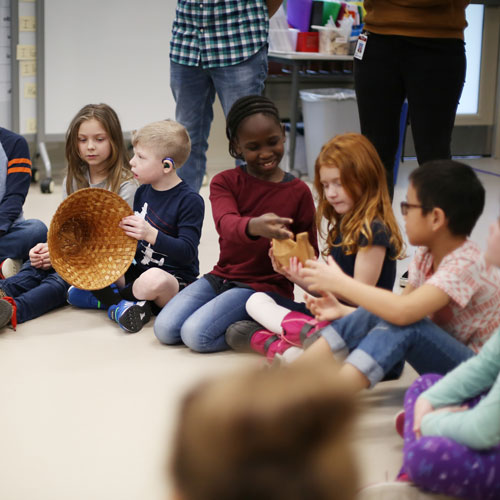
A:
(277, 267)
(422, 407)
(39, 256)
(322, 276)
(270, 226)
(293, 270)
(326, 307)
(136, 227)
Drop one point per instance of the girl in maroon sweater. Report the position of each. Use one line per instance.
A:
(251, 204)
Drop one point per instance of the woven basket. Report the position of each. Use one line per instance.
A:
(86, 246)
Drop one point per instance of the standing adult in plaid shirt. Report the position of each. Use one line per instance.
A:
(218, 46)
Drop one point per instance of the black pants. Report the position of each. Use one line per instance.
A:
(429, 73)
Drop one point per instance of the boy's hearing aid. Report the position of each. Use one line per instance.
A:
(168, 162)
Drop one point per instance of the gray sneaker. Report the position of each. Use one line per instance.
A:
(10, 267)
(6, 310)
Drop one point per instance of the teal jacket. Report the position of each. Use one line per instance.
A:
(478, 427)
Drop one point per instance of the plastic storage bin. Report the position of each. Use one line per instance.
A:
(283, 40)
(331, 41)
(326, 112)
(299, 14)
(308, 41)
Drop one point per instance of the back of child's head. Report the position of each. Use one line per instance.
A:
(166, 138)
(453, 187)
(267, 435)
(363, 178)
(243, 108)
(117, 165)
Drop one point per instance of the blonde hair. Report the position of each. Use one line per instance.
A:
(267, 435)
(165, 138)
(117, 165)
(363, 178)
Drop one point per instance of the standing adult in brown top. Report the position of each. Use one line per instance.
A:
(414, 50)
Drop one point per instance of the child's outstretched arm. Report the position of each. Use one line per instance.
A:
(239, 228)
(397, 309)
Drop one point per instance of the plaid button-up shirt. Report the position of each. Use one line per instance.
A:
(218, 33)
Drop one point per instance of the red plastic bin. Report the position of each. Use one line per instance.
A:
(308, 41)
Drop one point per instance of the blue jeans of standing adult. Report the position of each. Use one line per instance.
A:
(375, 346)
(199, 316)
(194, 90)
(21, 238)
(35, 291)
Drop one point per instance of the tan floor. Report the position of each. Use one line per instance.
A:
(88, 411)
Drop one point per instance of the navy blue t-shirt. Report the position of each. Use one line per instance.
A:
(178, 214)
(380, 238)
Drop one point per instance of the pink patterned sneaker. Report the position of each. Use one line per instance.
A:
(300, 329)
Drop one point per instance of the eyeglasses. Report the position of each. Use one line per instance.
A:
(405, 206)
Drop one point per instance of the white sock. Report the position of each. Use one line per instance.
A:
(291, 354)
(265, 311)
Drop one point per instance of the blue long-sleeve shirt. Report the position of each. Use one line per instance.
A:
(15, 177)
(178, 214)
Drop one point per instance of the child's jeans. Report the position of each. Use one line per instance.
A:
(35, 291)
(376, 346)
(199, 315)
(441, 465)
(21, 237)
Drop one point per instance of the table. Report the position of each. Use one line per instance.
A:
(295, 59)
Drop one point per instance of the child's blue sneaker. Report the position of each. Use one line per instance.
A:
(84, 299)
(131, 316)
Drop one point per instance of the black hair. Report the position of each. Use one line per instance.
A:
(243, 108)
(454, 188)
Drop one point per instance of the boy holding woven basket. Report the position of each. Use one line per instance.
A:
(167, 225)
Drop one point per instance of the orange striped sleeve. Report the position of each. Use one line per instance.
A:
(15, 161)
(14, 170)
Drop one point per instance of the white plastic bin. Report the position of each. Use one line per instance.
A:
(327, 113)
(283, 40)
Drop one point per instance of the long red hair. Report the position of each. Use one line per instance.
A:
(363, 178)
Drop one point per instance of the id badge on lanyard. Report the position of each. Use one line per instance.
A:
(361, 46)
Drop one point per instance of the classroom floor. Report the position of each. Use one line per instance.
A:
(89, 411)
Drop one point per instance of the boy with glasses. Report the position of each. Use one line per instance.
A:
(450, 307)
